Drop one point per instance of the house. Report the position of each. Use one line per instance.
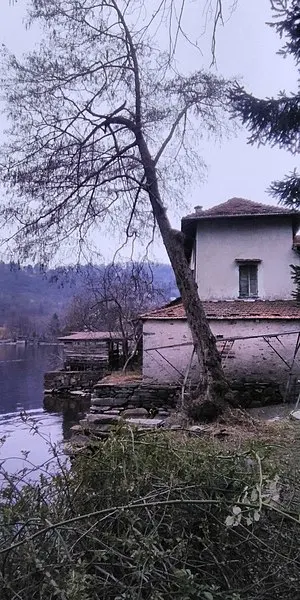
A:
(240, 252)
(92, 350)
(88, 357)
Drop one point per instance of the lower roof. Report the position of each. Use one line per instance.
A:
(80, 336)
(232, 309)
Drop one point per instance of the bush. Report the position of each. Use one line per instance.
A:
(159, 516)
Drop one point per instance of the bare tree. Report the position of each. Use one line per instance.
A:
(79, 315)
(114, 298)
(102, 126)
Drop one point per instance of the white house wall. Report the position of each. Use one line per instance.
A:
(220, 242)
(249, 359)
(252, 359)
(166, 365)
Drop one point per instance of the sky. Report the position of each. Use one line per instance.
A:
(246, 48)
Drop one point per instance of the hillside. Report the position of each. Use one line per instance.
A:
(30, 297)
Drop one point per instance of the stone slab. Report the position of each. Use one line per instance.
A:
(147, 423)
(99, 409)
(79, 393)
(135, 413)
(102, 429)
(295, 414)
(198, 429)
(76, 428)
(108, 402)
(116, 386)
(97, 419)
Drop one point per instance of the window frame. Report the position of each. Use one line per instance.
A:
(248, 269)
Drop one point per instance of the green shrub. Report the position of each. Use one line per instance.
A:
(160, 517)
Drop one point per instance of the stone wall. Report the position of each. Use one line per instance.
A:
(135, 395)
(72, 380)
(62, 403)
(134, 403)
(254, 393)
(142, 399)
(147, 406)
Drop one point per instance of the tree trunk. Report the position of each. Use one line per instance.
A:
(213, 386)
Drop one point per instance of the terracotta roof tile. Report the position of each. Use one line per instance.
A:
(236, 207)
(234, 309)
(90, 335)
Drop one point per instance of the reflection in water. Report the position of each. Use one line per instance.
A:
(21, 375)
(21, 390)
(21, 436)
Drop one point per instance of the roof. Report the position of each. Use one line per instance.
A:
(232, 310)
(239, 207)
(78, 336)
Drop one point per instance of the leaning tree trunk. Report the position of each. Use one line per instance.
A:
(213, 385)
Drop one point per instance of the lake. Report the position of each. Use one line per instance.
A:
(22, 370)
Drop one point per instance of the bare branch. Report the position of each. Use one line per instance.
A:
(100, 120)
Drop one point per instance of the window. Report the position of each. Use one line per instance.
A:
(193, 261)
(248, 287)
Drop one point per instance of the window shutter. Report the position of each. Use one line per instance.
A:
(253, 280)
(244, 287)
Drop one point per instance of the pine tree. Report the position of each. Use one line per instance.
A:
(276, 121)
(54, 326)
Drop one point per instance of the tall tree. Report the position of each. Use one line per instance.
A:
(276, 121)
(102, 124)
(54, 327)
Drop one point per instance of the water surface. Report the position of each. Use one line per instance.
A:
(22, 371)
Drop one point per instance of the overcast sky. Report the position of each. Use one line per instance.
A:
(246, 47)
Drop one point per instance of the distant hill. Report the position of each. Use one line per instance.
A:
(31, 296)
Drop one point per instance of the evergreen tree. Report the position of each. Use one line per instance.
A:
(54, 326)
(276, 121)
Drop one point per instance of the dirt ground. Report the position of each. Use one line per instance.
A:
(274, 412)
